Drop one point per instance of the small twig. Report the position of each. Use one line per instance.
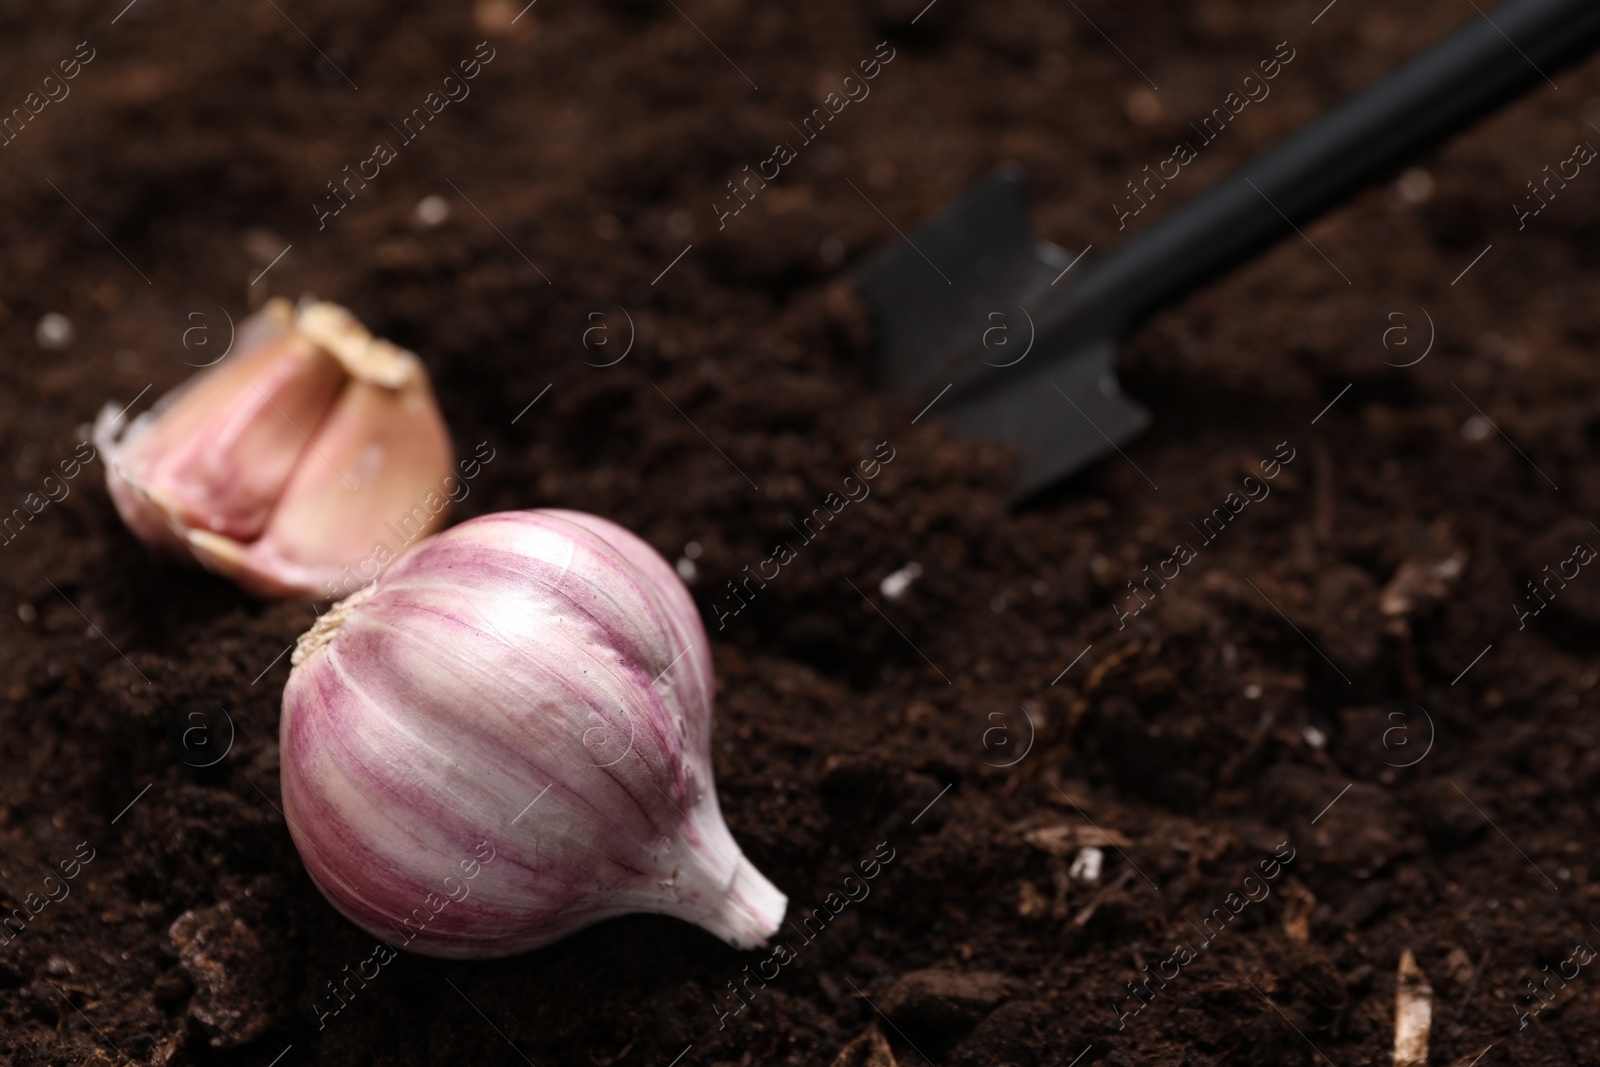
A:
(1413, 1013)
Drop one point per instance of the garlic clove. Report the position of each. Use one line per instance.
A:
(373, 482)
(287, 466)
(529, 686)
(216, 453)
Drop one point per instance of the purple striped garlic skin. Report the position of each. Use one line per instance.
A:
(532, 684)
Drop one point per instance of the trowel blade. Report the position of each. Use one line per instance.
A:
(1058, 411)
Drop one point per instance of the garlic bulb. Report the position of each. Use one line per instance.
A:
(295, 457)
(525, 701)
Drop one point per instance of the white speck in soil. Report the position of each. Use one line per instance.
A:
(1086, 866)
(431, 210)
(1415, 186)
(894, 586)
(54, 331)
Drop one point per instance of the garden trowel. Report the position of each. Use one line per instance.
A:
(1013, 339)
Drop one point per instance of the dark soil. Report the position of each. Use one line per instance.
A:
(1307, 657)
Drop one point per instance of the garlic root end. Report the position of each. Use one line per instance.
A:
(752, 910)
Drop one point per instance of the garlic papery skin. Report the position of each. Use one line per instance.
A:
(280, 465)
(531, 685)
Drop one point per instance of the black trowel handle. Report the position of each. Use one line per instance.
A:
(1489, 61)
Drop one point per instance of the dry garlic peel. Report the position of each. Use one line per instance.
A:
(280, 465)
(531, 686)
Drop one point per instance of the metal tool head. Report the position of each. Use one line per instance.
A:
(1059, 415)
(955, 307)
(972, 305)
